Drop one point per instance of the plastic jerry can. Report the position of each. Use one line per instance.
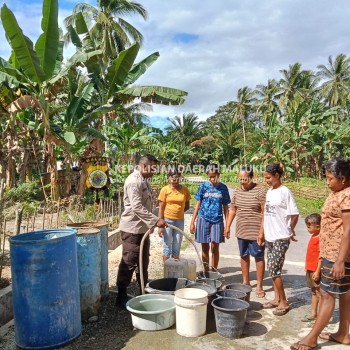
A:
(191, 270)
(174, 268)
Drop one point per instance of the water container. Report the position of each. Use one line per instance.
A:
(191, 311)
(103, 227)
(211, 290)
(166, 285)
(45, 288)
(174, 268)
(241, 287)
(152, 312)
(215, 283)
(89, 268)
(231, 293)
(191, 270)
(230, 316)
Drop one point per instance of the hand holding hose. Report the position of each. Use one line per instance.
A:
(161, 223)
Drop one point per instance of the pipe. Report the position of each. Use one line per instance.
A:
(188, 237)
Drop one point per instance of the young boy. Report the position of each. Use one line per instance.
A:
(312, 263)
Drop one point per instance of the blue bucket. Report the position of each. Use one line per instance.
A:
(45, 288)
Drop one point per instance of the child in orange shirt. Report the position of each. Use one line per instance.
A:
(312, 263)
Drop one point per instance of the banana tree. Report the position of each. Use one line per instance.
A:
(36, 73)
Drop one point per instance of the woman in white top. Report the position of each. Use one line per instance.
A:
(280, 218)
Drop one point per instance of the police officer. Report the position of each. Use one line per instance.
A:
(135, 221)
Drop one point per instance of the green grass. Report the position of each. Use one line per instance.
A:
(309, 206)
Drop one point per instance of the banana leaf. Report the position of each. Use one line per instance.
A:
(119, 70)
(22, 47)
(46, 46)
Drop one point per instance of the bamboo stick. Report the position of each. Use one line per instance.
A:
(44, 214)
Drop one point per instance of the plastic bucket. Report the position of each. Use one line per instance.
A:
(231, 293)
(230, 316)
(89, 268)
(211, 290)
(45, 288)
(215, 275)
(152, 312)
(103, 227)
(241, 287)
(191, 311)
(212, 282)
(166, 285)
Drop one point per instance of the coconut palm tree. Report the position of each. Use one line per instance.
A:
(336, 76)
(108, 30)
(267, 101)
(241, 111)
(294, 83)
(184, 129)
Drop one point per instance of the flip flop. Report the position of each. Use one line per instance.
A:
(269, 305)
(309, 347)
(329, 337)
(281, 311)
(260, 294)
(307, 318)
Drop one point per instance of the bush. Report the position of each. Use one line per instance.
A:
(24, 192)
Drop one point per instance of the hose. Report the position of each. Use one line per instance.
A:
(188, 237)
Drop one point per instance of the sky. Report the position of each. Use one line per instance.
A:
(212, 48)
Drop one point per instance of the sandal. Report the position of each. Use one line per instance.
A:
(330, 337)
(260, 294)
(269, 305)
(309, 347)
(307, 318)
(281, 311)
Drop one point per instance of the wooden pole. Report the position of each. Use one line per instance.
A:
(18, 219)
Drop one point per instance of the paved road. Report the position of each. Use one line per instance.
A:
(263, 330)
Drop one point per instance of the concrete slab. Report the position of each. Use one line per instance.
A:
(6, 312)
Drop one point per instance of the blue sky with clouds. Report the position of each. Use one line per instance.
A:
(212, 48)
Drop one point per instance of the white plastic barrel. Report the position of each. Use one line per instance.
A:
(174, 268)
(191, 311)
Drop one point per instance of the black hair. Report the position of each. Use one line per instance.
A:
(173, 170)
(339, 167)
(313, 218)
(213, 168)
(274, 168)
(248, 169)
(148, 158)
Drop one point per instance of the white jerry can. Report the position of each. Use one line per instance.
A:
(174, 268)
(191, 269)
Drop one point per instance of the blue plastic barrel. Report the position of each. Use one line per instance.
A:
(89, 269)
(103, 227)
(45, 288)
(104, 260)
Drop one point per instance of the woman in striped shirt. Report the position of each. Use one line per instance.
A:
(248, 206)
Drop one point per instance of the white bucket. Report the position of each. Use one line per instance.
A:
(191, 311)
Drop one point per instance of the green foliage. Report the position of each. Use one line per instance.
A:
(307, 206)
(24, 193)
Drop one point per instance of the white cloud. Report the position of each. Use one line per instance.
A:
(240, 42)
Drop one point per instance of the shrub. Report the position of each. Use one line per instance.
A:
(24, 192)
